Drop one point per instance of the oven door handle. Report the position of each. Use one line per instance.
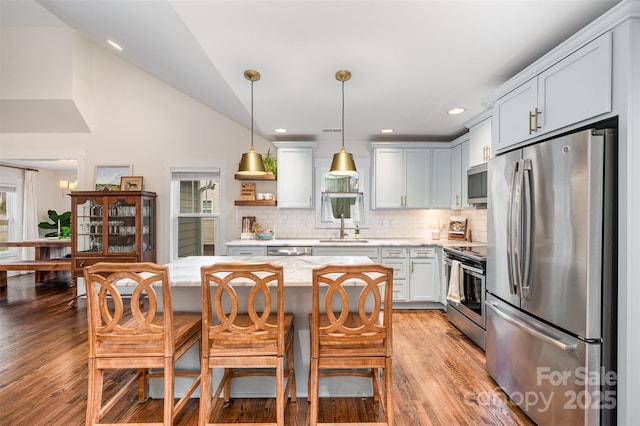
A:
(466, 267)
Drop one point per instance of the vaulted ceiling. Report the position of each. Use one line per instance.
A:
(411, 61)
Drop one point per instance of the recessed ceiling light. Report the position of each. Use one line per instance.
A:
(385, 131)
(456, 110)
(280, 130)
(114, 45)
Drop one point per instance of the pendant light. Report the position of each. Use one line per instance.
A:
(251, 162)
(343, 164)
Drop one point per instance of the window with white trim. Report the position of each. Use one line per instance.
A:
(8, 212)
(195, 213)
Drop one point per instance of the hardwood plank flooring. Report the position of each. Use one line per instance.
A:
(439, 374)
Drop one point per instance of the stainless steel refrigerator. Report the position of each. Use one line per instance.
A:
(551, 281)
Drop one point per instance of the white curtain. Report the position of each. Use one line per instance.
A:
(29, 213)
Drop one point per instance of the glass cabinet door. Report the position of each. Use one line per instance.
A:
(89, 224)
(121, 226)
(147, 225)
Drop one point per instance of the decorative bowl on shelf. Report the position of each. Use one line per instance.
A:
(267, 235)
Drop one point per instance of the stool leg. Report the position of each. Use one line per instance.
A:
(94, 391)
(313, 392)
(205, 393)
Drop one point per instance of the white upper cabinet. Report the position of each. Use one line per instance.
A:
(458, 172)
(512, 115)
(465, 165)
(411, 178)
(417, 178)
(440, 178)
(456, 177)
(575, 88)
(295, 175)
(402, 177)
(479, 143)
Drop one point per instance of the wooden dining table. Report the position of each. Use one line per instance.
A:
(45, 249)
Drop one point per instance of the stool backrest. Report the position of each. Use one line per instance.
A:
(114, 322)
(371, 323)
(242, 288)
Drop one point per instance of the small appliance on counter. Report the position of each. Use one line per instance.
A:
(465, 276)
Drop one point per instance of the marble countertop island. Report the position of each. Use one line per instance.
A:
(185, 272)
(184, 275)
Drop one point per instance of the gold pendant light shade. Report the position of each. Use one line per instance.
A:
(343, 164)
(251, 162)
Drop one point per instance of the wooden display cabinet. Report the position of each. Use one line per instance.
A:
(112, 226)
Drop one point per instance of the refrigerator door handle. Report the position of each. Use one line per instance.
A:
(517, 234)
(565, 347)
(512, 184)
(527, 207)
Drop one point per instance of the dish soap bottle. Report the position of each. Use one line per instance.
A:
(357, 233)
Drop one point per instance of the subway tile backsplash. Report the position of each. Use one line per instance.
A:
(382, 223)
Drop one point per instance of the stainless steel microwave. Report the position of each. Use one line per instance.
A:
(477, 184)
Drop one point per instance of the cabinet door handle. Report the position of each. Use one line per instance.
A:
(457, 200)
(412, 266)
(533, 120)
(486, 153)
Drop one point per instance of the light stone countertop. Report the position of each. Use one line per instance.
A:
(370, 242)
(185, 272)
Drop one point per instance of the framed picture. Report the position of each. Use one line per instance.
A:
(107, 177)
(458, 228)
(131, 183)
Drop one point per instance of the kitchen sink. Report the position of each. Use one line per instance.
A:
(344, 240)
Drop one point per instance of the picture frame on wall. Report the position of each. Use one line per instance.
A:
(131, 183)
(107, 177)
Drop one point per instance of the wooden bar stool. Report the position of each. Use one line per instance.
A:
(245, 344)
(345, 343)
(126, 337)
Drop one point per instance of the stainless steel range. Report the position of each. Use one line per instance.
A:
(468, 314)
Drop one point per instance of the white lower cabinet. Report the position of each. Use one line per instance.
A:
(247, 251)
(424, 283)
(415, 273)
(397, 258)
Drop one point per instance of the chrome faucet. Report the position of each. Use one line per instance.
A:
(342, 233)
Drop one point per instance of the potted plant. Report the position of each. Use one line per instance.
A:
(60, 223)
(270, 163)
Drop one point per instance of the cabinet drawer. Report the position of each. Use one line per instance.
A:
(81, 263)
(399, 267)
(394, 252)
(428, 252)
(400, 290)
(247, 251)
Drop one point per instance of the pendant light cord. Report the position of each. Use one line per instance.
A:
(251, 113)
(342, 114)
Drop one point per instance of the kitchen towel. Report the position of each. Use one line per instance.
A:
(456, 292)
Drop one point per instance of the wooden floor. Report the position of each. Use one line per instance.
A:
(439, 375)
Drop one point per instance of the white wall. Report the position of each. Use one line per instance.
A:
(140, 120)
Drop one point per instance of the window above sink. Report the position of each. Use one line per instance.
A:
(341, 195)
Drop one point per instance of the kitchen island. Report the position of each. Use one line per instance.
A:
(184, 275)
